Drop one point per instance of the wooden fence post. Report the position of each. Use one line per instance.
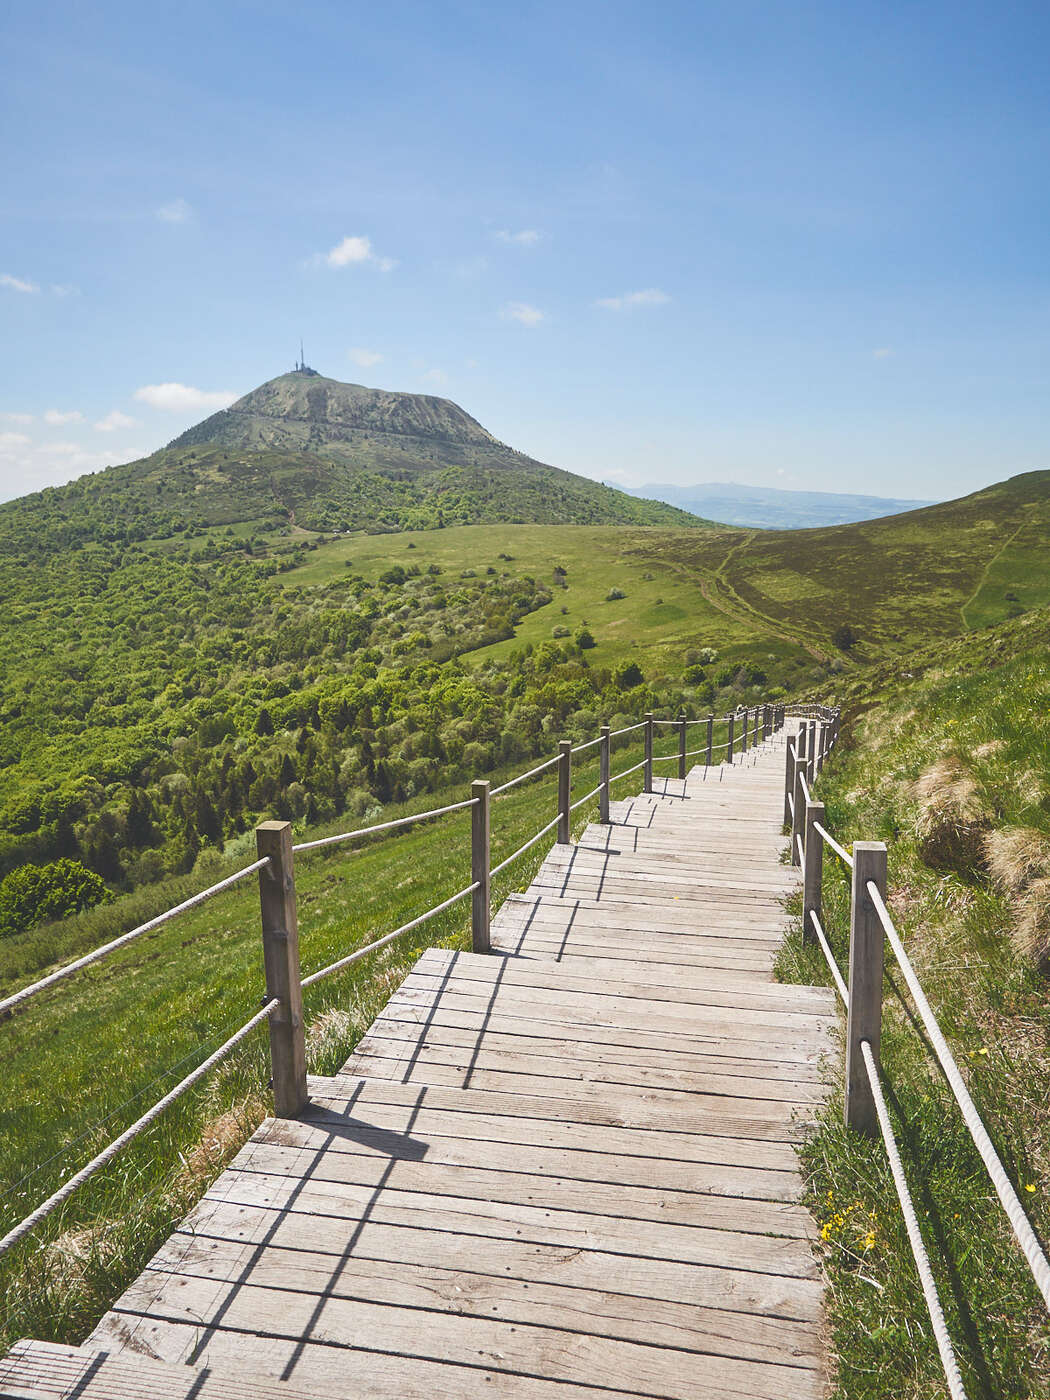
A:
(729, 745)
(710, 739)
(603, 775)
(743, 732)
(564, 790)
(480, 904)
(681, 744)
(864, 1011)
(789, 779)
(811, 749)
(280, 934)
(812, 869)
(647, 771)
(798, 813)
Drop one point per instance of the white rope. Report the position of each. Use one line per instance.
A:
(840, 851)
(93, 957)
(522, 849)
(387, 938)
(384, 826)
(1023, 1231)
(832, 964)
(581, 800)
(629, 729)
(800, 848)
(627, 771)
(505, 787)
(108, 1153)
(918, 1249)
(579, 748)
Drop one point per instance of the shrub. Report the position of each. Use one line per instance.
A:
(844, 637)
(613, 594)
(694, 675)
(584, 639)
(559, 631)
(36, 894)
(627, 675)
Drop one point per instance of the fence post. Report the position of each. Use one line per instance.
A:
(647, 771)
(564, 790)
(280, 935)
(789, 778)
(812, 869)
(798, 815)
(743, 734)
(864, 1012)
(681, 744)
(710, 739)
(479, 866)
(729, 745)
(603, 775)
(811, 749)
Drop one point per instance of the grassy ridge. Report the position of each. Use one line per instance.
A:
(949, 765)
(84, 1059)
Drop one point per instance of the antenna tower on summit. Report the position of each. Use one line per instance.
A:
(301, 366)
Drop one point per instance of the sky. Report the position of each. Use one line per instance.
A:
(785, 244)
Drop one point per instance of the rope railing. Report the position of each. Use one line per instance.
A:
(359, 953)
(16, 998)
(344, 836)
(825, 948)
(522, 849)
(524, 777)
(589, 797)
(588, 744)
(107, 1154)
(627, 772)
(911, 1224)
(1011, 1203)
(829, 840)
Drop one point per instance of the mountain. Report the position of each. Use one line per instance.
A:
(766, 508)
(306, 452)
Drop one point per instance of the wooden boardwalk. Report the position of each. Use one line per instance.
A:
(563, 1169)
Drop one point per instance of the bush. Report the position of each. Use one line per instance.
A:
(627, 675)
(613, 594)
(584, 639)
(694, 675)
(844, 637)
(559, 631)
(36, 894)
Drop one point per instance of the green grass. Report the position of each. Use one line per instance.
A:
(81, 1061)
(976, 726)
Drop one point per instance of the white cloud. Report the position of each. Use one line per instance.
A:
(650, 296)
(883, 353)
(21, 418)
(524, 238)
(17, 284)
(356, 249)
(54, 419)
(64, 289)
(436, 376)
(524, 313)
(365, 358)
(9, 441)
(114, 421)
(180, 398)
(178, 211)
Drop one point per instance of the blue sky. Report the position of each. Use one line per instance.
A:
(780, 243)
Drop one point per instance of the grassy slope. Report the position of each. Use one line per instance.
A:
(971, 715)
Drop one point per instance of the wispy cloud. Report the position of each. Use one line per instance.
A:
(177, 211)
(524, 238)
(522, 312)
(18, 284)
(649, 296)
(55, 419)
(436, 376)
(364, 358)
(356, 250)
(178, 398)
(883, 353)
(10, 441)
(115, 421)
(23, 419)
(64, 289)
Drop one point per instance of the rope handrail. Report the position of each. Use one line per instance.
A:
(522, 849)
(588, 744)
(387, 937)
(627, 729)
(586, 798)
(791, 803)
(108, 1153)
(26, 992)
(833, 967)
(918, 1248)
(805, 786)
(1011, 1203)
(627, 772)
(800, 847)
(840, 851)
(383, 826)
(522, 777)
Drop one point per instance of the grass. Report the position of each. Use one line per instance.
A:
(81, 1061)
(946, 767)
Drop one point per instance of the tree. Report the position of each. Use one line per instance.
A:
(35, 894)
(584, 639)
(844, 637)
(627, 675)
(264, 722)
